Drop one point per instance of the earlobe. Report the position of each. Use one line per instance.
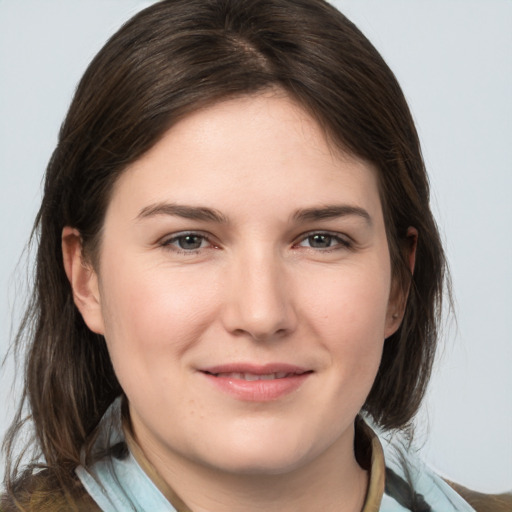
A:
(399, 295)
(83, 280)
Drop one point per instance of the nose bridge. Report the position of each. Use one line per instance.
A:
(259, 302)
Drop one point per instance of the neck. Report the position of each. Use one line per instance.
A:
(332, 482)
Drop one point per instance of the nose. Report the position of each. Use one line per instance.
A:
(259, 302)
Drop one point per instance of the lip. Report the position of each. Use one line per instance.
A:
(225, 378)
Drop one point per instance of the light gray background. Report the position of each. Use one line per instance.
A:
(454, 62)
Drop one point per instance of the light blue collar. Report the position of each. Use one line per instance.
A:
(116, 482)
(427, 485)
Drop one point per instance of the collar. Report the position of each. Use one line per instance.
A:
(122, 478)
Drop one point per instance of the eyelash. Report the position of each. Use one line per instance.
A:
(340, 242)
(169, 242)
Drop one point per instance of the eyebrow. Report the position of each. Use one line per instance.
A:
(331, 212)
(202, 213)
(187, 212)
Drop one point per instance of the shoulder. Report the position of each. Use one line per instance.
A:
(484, 502)
(40, 492)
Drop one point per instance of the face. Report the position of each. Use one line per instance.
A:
(243, 288)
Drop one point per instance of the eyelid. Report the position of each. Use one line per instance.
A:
(344, 241)
(168, 240)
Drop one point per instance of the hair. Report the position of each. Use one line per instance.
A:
(171, 59)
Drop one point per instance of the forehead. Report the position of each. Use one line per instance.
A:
(265, 148)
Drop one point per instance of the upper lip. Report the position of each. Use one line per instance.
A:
(255, 369)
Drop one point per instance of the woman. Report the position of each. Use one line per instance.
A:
(237, 271)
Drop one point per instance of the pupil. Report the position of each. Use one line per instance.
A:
(320, 241)
(190, 242)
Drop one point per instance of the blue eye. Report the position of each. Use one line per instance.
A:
(320, 241)
(323, 241)
(187, 242)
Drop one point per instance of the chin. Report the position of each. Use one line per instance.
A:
(263, 455)
(259, 464)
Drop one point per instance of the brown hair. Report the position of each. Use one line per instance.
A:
(173, 58)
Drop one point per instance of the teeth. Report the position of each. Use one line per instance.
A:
(252, 376)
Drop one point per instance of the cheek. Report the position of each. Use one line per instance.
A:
(153, 312)
(348, 313)
(349, 304)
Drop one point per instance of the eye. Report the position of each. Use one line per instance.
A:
(187, 242)
(323, 241)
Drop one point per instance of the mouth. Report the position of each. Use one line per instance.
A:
(257, 383)
(254, 376)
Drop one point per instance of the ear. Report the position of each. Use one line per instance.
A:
(398, 295)
(83, 279)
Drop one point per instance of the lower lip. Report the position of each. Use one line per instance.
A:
(258, 390)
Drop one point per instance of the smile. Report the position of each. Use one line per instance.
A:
(252, 383)
(253, 376)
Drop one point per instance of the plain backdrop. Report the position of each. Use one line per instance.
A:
(453, 59)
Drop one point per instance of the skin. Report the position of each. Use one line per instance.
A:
(265, 285)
